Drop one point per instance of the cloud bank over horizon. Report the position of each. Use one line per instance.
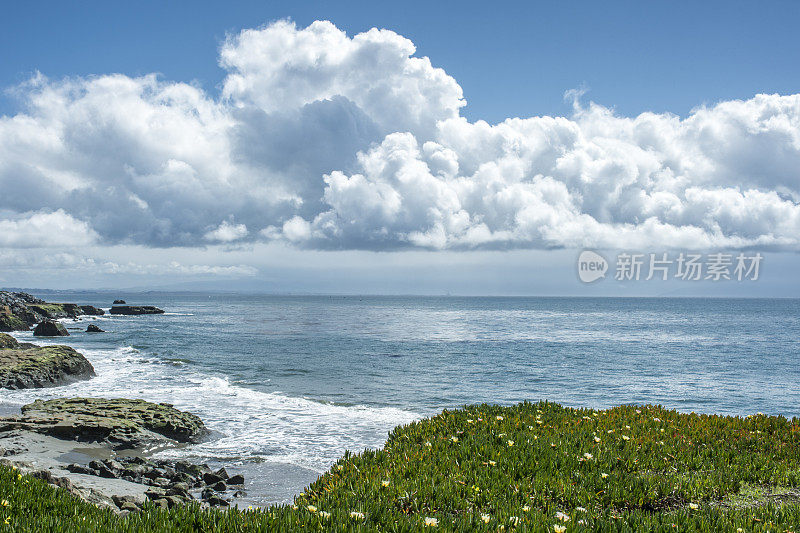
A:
(326, 141)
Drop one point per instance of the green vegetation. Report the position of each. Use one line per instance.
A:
(12, 323)
(532, 467)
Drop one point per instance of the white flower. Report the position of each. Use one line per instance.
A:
(325, 514)
(356, 515)
(431, 522)
(638, 412)
(492, 463)
(581, 509)
(603, 475)
(559, 529)
(625, 437)
(597, 439)
(428, 444)
(454, 438)
(486, 518)
(514, 520)
(499, 417)
(312, 509)
(588, 455)
(511, 443)
(564, 517)
(694, 506)
(385, 482)
(526, 508)
(656, 419)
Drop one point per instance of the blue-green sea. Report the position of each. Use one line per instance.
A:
(288, 383)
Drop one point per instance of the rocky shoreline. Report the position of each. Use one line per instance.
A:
(98, 449)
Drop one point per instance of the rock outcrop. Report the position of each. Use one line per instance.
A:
(7, 341)
(20, 310)
(50, 328)
(121, 423)
(136, 310)
(91, 328)
(23, 366)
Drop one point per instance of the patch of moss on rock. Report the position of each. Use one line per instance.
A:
(120, 422)
(12, 323)
(7, 341)
(42, 366)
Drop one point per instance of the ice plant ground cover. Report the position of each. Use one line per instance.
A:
(628, 468)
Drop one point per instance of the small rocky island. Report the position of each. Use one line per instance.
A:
(121, 308)
(27, 366)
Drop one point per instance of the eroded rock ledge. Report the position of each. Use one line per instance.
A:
(120, 423)
(27, 366)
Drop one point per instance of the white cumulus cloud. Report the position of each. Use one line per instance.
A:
(330, 141)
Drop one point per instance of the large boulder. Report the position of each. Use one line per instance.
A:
(119, 302)
(91, 328)
(50, 328)
(91, 310)
(136, 310)
(7, 341)
(122, 423)
(29, 367)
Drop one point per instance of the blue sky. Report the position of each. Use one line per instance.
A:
(512, 59)
(254, 147)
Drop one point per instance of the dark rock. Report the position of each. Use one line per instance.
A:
(210, 478)
(136, 310)
(41, 366)
(119, 302)
(216, 501)
(175, 501)
(50, 328)
(237, 479)
(91, 328)
(219, 486)
(222, 473)
(239, 494)
(207, 493)
(91, 310)
(81, 469)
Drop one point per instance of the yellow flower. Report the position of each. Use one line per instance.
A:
(625, 437)
(597, 439)
(325, 514)
(603, 475)
(499, 417)
(564, 517)
(511, 443)
(486, 518)
(312, 509)
(470, 421)
(526, 508)
(428, 444)
(385, 482)
(431, 522)
(493, 463)
(610, 431)
(559, 529)
(356, 515)
(627, 427)
(454, 439)
(693, 506)
(4, 503)
(514, 520)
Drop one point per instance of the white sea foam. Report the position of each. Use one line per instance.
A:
(246, 424)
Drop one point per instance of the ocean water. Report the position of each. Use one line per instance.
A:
(288, 383)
